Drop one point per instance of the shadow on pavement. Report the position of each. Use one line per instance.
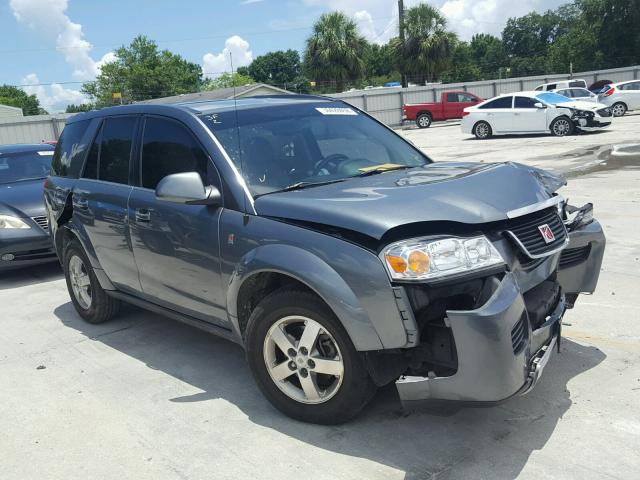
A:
(24, 276)
(443, 442)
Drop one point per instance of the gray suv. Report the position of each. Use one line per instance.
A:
(336, 253)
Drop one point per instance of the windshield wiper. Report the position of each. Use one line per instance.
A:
(300, 186)
(381, 169)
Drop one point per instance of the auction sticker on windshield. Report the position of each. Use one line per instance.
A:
(336, 111)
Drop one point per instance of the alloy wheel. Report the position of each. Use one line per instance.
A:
(618, 110)
(482, 130)
(303, 359)
(80, 282)
(561, 127)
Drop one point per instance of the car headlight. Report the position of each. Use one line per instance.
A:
(435, 258)
(8, 222)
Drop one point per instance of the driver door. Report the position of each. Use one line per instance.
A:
(175, 246)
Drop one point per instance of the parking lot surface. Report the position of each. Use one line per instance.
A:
(145, 397)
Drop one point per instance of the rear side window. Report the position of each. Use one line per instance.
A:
(551, 86)
(578, 84)
(168, 148)
(115, 149)
(502, 102)
(631, 86)
(70, 150)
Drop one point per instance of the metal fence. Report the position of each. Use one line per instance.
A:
(32, 129)
(386, 104)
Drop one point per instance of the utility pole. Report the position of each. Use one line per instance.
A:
(401, 26)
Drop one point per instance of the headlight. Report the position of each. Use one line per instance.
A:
(12, 222)
(429, 258)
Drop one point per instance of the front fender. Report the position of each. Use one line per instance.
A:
(316, 274)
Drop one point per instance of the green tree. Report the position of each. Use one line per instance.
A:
(428, 48)
(615, 24)
(334, 51)
(16, 97)
(141, 71)
(488, 54)
(463, 67)
(280, 68)
(83, 107)
(226, 80)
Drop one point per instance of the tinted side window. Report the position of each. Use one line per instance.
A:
(115, 149)
(578, 83)
(168, 148)
(631, 86)
(452, 97)
(525, 102)
(91, 165)
(502, 102)
(70, 150)
(580, 93)
(551, 86)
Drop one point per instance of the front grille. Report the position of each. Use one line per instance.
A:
(519, 334)
(42, 222)
(605, 112)
(525, 230)
(571, 256)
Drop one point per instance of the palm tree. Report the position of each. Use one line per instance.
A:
(428, 47)
(335, 51)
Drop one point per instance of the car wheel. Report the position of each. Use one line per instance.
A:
(88, 297)
(303, 360)
(618, 109)
(562, 126)
(482, 130)
(424, 120)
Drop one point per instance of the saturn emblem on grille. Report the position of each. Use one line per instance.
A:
(547, 233)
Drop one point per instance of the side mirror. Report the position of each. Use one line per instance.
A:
(187, 189)
(539, 105)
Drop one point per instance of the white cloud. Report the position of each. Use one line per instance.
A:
(214, 64)
(55, 98)
(48, 17)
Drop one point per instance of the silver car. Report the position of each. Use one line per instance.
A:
(578, 93)
(622, 97)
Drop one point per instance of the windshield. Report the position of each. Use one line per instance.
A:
(551, 98)
(15, 167)
(307, 143)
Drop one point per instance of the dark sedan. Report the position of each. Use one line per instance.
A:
(24, 236)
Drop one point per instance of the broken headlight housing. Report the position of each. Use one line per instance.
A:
(436, 258)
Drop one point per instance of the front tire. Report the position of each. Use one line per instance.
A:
(482, 130)
(303, 360)
(424, 120)
(562, 127)
(88, 297)
(618, 109)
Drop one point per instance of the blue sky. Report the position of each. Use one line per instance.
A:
(64, 41)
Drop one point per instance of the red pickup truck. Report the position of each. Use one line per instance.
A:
(450, 106)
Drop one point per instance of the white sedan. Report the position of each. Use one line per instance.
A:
(534, 112)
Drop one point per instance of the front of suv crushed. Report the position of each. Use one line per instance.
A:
(487, 336)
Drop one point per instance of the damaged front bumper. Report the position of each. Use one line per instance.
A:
(497, 353)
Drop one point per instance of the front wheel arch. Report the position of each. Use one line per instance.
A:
(571, 126)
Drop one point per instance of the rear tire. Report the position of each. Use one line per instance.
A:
(88, 297)
(482, 130)
(424, 120)
(562, 127)
(292, 380)
(618, 109)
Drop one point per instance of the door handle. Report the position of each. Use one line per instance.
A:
(143, 215)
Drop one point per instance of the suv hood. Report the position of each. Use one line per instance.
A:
(469, 193)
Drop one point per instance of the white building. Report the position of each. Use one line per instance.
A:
(8, 112)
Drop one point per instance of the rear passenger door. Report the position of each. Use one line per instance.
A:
(100, 201)
(499, 113)
(176, 246)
